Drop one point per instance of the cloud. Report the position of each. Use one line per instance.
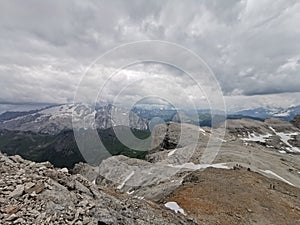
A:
(252, 47)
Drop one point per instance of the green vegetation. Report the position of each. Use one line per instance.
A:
(62, 150)
(115, 147)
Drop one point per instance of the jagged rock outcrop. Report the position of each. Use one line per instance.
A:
(37, 193)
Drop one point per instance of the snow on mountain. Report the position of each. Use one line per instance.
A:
(286, 114)
(54, 119)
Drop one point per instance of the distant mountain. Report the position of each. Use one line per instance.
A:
(54, 119)
(22, 107)
(12, 115)
(165, 114)
(48, 134)
(263, 113)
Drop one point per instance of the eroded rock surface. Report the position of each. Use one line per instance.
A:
(37, 193)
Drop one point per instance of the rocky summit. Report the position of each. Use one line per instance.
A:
(37, 193)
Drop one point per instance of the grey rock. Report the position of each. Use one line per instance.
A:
(19, 190)
(81, 188)
(58, 203)
(86, 170)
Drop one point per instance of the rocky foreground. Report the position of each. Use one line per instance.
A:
(37, 193)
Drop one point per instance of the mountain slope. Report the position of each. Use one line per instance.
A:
(61, 149)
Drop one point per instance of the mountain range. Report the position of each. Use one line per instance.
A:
(263, 113)
(47, 134)
(55, 118)
(254, 177)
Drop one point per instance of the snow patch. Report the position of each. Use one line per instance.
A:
(285, 137)
(224, 141)
(257, 138)
(19, 118)
(130, 192)
(283, 113)
(172, 152)
(201, 130)
(59, 110)
(126, 179)
(282, 152)
(175, 207)
(277, 176)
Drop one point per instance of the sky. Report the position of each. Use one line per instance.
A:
(252, 48)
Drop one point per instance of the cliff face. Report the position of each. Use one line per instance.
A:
(37, 193)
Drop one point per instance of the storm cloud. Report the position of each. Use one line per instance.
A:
(252, 46)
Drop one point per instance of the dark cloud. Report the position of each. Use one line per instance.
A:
(252, 46)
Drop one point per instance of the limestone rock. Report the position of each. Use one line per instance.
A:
(43, 195)
(19, 190)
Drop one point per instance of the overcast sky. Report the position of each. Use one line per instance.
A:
(252, 47)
